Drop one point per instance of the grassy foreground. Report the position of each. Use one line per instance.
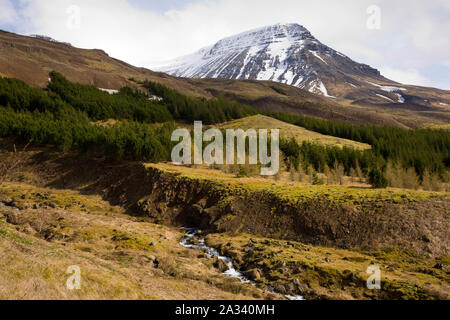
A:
(64, 210)
(120, 257)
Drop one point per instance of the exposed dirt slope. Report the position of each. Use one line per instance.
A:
(344, 217)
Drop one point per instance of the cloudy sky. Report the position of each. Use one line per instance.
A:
(411, 46)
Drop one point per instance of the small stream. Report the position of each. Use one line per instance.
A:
(232, 272)
(211, 252)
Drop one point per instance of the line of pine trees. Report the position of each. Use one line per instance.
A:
(210, 111)
(425, 150)
(65, 115)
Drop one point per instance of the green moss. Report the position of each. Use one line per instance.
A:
(294, 193)
(335, 273)
(129, 240)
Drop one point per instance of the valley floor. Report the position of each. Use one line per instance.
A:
(119, 256)
(121, 227)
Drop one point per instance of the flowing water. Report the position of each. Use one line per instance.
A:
(232, 272)
(211, 252)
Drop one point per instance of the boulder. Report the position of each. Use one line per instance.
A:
(221, 265)
(253, 274)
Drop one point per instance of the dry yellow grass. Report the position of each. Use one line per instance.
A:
(324, 271)
(115, 252)
(438, 126)
(288, 131)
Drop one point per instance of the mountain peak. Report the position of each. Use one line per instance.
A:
(262, 37)
(284, 52)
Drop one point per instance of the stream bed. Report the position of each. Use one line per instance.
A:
(232, 272)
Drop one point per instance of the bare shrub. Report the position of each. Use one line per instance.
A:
(12, 163)
(431, 182)
(410, 179)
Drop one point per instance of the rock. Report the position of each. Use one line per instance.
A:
(221, 265)
(253, 274)
(290, 288)
(6, 200)
(202, 203)
(298, 270)
(193, 241)
(29, 230)
(280, 288)
(197, 208)
(250, 252)
(285, 271)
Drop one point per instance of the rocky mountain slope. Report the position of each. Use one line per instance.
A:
(31, 59)
(285, 53)
(290, 54)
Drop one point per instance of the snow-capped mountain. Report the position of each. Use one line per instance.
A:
(286, 53)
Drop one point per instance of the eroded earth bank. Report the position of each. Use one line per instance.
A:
(121, 223)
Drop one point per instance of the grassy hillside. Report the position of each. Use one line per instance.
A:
(288, 131)
(120, 257)
(357, 107)
(31, 60)
(312, 240)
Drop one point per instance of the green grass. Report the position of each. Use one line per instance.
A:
(293, 191)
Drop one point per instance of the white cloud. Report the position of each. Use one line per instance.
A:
(8, 14)
(412, 34)
(409, 76)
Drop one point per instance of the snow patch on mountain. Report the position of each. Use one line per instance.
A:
(317, 56)
(384, 97)
(285, 53)
(387, 88)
